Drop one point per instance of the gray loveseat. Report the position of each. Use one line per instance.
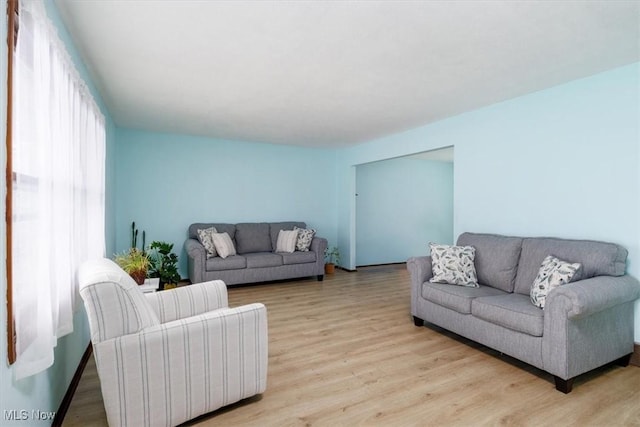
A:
(256, 260)
(585, 324)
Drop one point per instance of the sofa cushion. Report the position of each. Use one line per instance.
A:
(553, 273)
(513, 311)
(230, 229)
(298, 257)
(206, 239)
(305, 237)
(456, 298)
(286, 241)
(253, 237)
(224, 245)
(263, 259)
(496, 258)
(597, 259)
(275, 227)
(453, 265)
(233, 262)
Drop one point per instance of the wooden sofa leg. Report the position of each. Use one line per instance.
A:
(418, 321)
(624, 360)
(564, 386)
(320, 277)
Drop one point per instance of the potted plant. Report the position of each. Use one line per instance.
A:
(135, 262)
(332, 257)
(164, 264)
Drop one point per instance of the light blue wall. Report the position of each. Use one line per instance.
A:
(402, 205)
(167, 182)
(45, 391)
(560, 162)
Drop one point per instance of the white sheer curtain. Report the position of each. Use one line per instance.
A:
(58, 188)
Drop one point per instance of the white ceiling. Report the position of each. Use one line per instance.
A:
(334, 73)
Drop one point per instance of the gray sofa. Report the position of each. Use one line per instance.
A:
(585, 324)
(256, 260)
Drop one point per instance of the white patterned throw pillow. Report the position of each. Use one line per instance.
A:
(287, 241)
(207, 240)
(553, 273)
(453, 265)
(224, 244)
(305, 236)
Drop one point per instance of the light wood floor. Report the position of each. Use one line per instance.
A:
(345, 352)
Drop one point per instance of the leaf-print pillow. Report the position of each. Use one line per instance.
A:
(305, 236)
(553, 273)
(205, 237)
(453, 265)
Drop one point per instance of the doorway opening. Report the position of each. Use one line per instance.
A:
(402, 204)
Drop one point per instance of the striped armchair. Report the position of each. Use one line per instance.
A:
(167, 357)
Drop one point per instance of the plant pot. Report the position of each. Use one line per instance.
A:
(139, 276)
(329, 268)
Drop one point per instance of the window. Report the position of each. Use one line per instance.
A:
(56, 219)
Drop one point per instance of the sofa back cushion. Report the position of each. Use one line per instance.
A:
(275, 228)
(597, 259)
(496, 258)
(253, 237)
(230, 229)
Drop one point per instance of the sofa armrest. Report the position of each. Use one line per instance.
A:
(187, 301)
(587, 324)
(195, 365)
(586, 297)
(420, 269)
(319, 245)
(196, 258)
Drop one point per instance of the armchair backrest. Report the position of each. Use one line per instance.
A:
(115, 305)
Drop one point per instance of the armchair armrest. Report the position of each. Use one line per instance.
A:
(586, 297)
(187, 301)
(196, 258)
(195, 365)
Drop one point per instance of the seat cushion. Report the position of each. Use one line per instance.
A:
(496, 258)
(513, 311)
(253, 237)
(454, 297)
(596, 258)
(233, 262)
(263, 259)
(298, 258)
